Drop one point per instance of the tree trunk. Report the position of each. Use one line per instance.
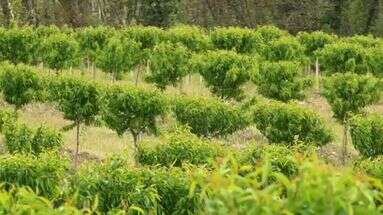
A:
(345, 142)
(7, 12)
(71, 7)
(29, 10)
(77, 145)
(135, 143)
(317, 84)
(137, 76)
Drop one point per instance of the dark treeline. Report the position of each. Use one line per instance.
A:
(340, 16)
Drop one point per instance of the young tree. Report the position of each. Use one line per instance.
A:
(93, 39)
(134, 110)
(348, 94)
(193, 37)
(78, 100)
(282, 80)
(224, 72)
(241, 40)
(18, 45)
(60, 52)
(342, 57)
(209, 117)
(20, 85)
(285, 48)
(118, 56)
(168, 64)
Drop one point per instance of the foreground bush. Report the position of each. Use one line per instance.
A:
(21, 139)
(115, 185)
(373, 167)
(282, 80)
(281, 158)
(43, 174)
(367, 134)
(317, 189)
(209, 117)
(7, 118)
(289, 123)
(177, 148)
(23, 201)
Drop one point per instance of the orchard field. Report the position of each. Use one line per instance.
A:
(186, 120)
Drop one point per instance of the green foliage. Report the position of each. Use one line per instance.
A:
(193, 37)
(285, 48)
(43, 174)
(92, 39)
(373, 167)
(314, 41)
(114, 185)
(209, 117)
(134, 110)
(177, 148)
(289, 123)
(282, 80)
(317, 189)
(374, 60)
(7, 117)
(342, 57)
(19, 138)
(241, 40)
(76, 98)
(224, 72)
(147, 36)
(24, 201)
(368, 41)
(118, 56)
(168, 64)
(281, 158)
(367, 134)
(270, 33)
(20, 84)
(60, 51)
(18, 45)
(349, 93)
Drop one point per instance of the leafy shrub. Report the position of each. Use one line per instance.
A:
(371, 166)
(18, 45)
(22, 139)
(60, 51)
(177, 148)
(113, 185)
(24, 201)
(119, 55)
(367, 134)
(366, 41)
(168, 64)
(349, 93)
(43, 174)
(20, 84)
(280, 157)
(147, 36)
(342, 57)
(281, 80)
(314, 41)
(317, 189)
(374, 60)
(134, 110)
(208, 117)
(285, 48)
(92, 39)
(225, 72)
(192, 37)
(7, 117)
(241, 40)
(270, 33)
(289, 123)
